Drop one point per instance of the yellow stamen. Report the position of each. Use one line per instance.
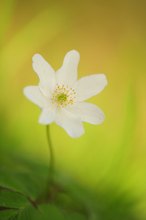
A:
(63, 96)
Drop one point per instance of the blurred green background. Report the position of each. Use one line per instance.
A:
(110, 36)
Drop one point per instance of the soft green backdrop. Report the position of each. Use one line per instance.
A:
(111, 38)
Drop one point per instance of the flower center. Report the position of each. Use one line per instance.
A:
(63, 96)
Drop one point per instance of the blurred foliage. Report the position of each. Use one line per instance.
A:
(22, 182)
(108, 163)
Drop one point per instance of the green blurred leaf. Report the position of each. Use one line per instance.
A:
(46, 212)
(22, 182)
(23, 176)
(12, 199)
(5, 215)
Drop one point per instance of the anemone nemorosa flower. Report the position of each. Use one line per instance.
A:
(61, 96)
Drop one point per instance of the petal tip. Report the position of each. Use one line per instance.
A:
(77, 135)
(73, 53)
(104, 78)
(101, 118)
(25, 90)
(36, 57)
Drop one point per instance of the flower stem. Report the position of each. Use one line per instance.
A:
(51, 165)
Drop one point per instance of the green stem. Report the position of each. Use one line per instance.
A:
(51, 165)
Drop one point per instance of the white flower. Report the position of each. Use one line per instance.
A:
(62, 97)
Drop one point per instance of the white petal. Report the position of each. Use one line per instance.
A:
(34, 94)
(47, 116)
(67, 74)
(44, 71)
(89, 86)
(88, 112)
(70, 123)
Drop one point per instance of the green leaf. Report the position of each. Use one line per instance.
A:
(45, 212)
(5, 215)
(12, 199)
(23, 176)
(23, 181)
(51, 211)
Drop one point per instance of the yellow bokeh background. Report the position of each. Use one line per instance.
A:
(110, 36)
